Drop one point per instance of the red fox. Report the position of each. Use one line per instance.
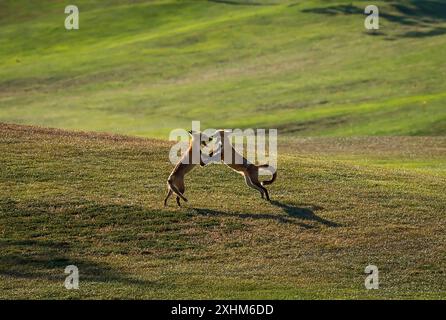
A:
(245, 168)
(175, 182)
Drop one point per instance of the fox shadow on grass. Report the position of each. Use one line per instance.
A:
(294, 215)
(304, 213)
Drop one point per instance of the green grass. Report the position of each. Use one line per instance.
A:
(339, 204)
(146, 67)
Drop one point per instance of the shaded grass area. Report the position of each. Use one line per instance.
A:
(95, 201)
(427, 16)
(146, 67)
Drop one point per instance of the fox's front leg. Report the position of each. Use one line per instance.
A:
(212, 157)
(205, 160)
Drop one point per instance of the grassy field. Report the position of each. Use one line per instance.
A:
(339, 204)
(361, 119)
(306, 67)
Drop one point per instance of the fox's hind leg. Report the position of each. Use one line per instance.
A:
(252, 185)
(181, 188)
(254, 177)
(169, 193)
(259, 185)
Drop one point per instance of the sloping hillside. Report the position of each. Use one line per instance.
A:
(339, 204)
(146, 67)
